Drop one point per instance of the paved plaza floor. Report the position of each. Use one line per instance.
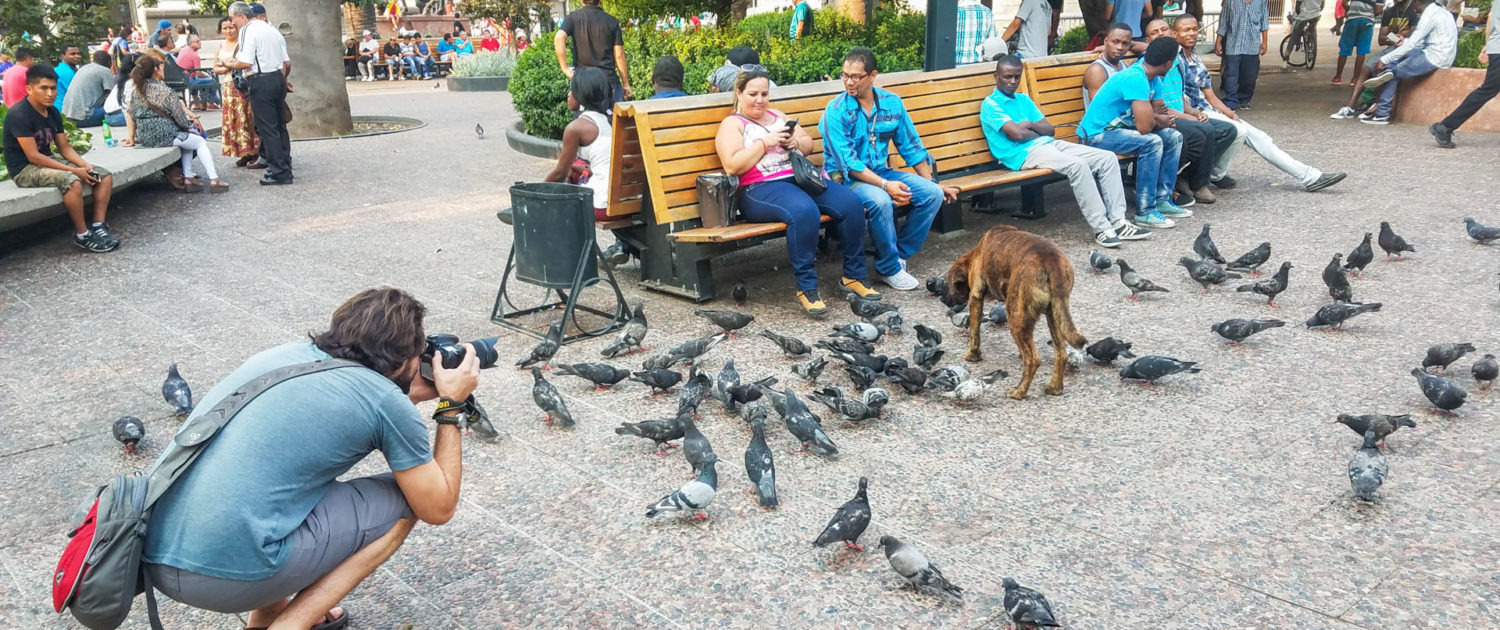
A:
(1216, 500)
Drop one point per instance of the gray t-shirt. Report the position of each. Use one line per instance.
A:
(1036, 17)
(232, 514)
(1360, 9)
(89, 86)
(1493, 47)
(723, 77)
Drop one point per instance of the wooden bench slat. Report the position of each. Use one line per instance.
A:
(1054, 72)
(736, 232)
(989, 179)
(620, 208)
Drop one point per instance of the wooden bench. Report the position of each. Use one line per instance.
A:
(660, 147)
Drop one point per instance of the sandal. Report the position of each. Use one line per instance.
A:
(334, 623)
(242, 162)
(216, 187)
(190, 185)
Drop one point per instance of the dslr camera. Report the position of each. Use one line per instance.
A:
(452, 352)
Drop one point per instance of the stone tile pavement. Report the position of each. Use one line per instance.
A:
(1217, 500)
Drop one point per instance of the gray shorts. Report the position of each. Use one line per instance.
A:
(353, 514)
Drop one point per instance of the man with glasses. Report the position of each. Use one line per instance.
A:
(858, 127)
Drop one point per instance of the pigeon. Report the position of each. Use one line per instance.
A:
(910, 377)
(750, 392)
(1482, 234)
(1252, 260)
(971, 389)
(727, 321)
(1443, 393)
(947, 378)
(790, 346)
(858, 330)
(1485, 370)
(436, 86)
(740, 294)
(1028, 608)
(810, 369)
(853, 410)
(693, 497)
(661, 361)
(1100, 262)
(1108, 349)
(1205, 248)
(694, 348)
(1367, 469)
(759, 466)
(920, 572)
(129, 430)
(1392, 242)
(544, 351)
(997, 315)
(728, 379)
(628, 340)
(1334, 315)
(863, 377)
(1134, 281)
(1270, 287)
(926, 356)
(876, 363)
(479, 130)
(690, 395)
(602, 375)
(937, 285)
(1444, 354)
(177, 393)
(546, 397)
(1382, 425)
(959, 315)
(778, 399)
(1236, 330)
(805, 426)
(868, 309)
(695, 447)
(927, 336)
(890, 320)
(660, 431)
(845, 344)
(1151, 368)
(660, 380)
(1361, 256)
(876, 398)
(850, 521)
(1337, 281)
(1205, 272)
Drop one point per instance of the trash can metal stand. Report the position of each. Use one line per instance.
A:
(554, 248)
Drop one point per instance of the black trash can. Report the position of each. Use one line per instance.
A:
(554, 234)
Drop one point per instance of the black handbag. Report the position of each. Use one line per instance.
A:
(807, 175)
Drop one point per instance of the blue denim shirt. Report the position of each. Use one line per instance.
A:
(856, 141)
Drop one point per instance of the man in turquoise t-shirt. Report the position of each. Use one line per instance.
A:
(802, 20)
(261, 516)
(1122, 117)
(1020, 137)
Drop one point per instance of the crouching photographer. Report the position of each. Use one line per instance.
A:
(260, 523)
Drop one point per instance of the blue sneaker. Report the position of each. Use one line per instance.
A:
(1172, 210)
(1154, 219)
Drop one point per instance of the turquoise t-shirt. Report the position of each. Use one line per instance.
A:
(65, 74)
(999, 109)
(799, 14)
(1114, 97)
(232, 514)
(1171, 86)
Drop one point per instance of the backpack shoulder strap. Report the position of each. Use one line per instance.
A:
(189, 442)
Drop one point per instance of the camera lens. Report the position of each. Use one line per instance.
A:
(485, 350)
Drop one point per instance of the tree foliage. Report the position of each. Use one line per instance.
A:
(221, 7)
(53, 24)
(652, 9)
(521, 13)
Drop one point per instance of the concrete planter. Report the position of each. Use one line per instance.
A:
(519, 140)
(1427, 100)
(478, 84)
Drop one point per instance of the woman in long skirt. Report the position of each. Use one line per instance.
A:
(237, 127)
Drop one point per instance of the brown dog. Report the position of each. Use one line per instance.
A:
(1033, 277)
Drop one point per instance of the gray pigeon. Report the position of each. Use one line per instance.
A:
(1150, 368)
(1135, 282)
(729, 378)
(937, 285)
(1205, 248)
(790, 346)
(805, 426)
(858, 330)
(695, 447)
(602, 375)
(1367, 469)
(1392, 242)
(947, 378)
(1332, 316)
(1444, 354)
(890, 320)
(740, 294)
(1205, 272)
(691, 394)
(927, 336)
(177, 393)
(1108, 349)
(1236, 330)
(129, 430)
(1337, 280)
(1382, 425)
(1359, 257)
(778, 399)
(845, 344)
(660, 431)
(853, 410)
(661, 361)
(1443, 393)
(997, 314)
(546, 397)
(544, 351)
(874, 362)
(926, 356)
(727, 321)
(1028, 608)
(692, 498)
(919, 572)
(849, 521)
(694, 348)
(1270, 287)
(1485, 370)
(810, 369)
(1482, 234)
(759, 466)
(1100, 262)
(911, 378)
(659, 380)
(750, 392)
(959, 316)
(628, 340)
(868, 309)
(479, 130)
(861, 376)
(970, 390)
(1252, 260)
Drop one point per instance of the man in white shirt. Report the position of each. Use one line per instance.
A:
(262, 57)
(1432, 45)
(369, 55)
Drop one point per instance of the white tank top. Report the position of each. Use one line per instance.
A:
(1109, 71)
(597, 154)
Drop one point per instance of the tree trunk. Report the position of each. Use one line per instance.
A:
(856, 10)
(737, 10)
(1093, 16)
(320, 104)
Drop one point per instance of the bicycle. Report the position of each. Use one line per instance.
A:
(1300, 47)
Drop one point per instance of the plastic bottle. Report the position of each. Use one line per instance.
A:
(109, 138)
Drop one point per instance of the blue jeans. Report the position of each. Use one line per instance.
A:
(116, 119)
(890, 246)
(206, 88)
(1238, 81)
(1412, 65)
(1157, 155)
(783, 201)
(94, 119)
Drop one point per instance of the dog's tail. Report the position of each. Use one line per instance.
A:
(1061, 280)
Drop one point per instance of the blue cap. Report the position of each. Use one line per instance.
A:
(164, 24)
(257, 8)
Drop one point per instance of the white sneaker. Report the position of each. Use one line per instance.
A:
(902, 281)
(1344, 113)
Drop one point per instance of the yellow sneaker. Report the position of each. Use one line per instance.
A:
(857, 287)
(813, 304)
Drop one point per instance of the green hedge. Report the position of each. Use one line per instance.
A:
(1470, 47)
(1072, 41)
(540, 89)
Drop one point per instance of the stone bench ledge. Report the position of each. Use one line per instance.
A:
(24, 206)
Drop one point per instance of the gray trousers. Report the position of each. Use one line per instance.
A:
(1094, 175)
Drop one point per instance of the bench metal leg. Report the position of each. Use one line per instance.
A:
(1033, 203)
(950, 218)
(683, 269)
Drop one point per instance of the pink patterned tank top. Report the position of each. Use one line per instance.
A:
(775, 164)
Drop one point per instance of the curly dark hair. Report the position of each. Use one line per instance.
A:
(380, 329)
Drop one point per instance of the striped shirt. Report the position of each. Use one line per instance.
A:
(975, 24)
(1241, 23)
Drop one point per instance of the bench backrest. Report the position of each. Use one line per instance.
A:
(1056, 84)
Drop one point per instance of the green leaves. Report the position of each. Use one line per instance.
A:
(53, 25)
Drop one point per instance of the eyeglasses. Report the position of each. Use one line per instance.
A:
(854, 78)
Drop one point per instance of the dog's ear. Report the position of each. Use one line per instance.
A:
(1004, 228)
(958, 277)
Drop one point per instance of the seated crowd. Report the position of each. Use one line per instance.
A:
(404, 56)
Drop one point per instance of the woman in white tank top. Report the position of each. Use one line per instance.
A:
(584, 158)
